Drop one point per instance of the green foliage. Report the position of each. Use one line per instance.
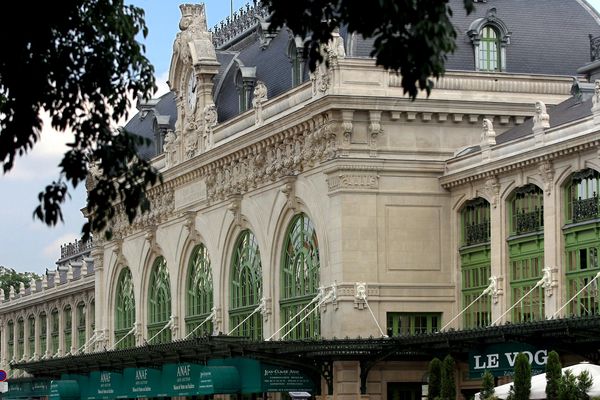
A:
(435, 379)
(411, 37)
(9, 277)
(448, 390)
(553, 375)
(522, 383)
(573, 387)
(488, 388)
(82, 64)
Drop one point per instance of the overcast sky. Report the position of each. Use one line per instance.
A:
(27, 244)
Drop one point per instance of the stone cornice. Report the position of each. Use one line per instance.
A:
(522, 160)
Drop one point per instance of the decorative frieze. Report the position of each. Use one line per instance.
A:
(353, 180)
(161, 206)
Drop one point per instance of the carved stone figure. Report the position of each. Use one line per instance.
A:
(335, 47)
(260, 96)
(488, 135)
(596, 102)
(170, 148)
(541, 119)
(210, 120)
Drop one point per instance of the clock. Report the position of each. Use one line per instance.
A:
(191, 92)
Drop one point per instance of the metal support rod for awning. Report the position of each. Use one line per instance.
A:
(132, 330)
(315, 299)
(487, 290)
(362, 295)
(538, 284)
(330, 295)
(210, 317)
(169, 324)
(262, 306)
(577, 294)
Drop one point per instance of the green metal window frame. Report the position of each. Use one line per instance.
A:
(43, 333)
(475, 222)
(475, 272)
(581, 196)
(55, 327)
(199, 292)
(526, 211)
(489, 49)
(81, 324)
(582, 264)
(526, 269)
(159, 302)
(31, 338)
(68, 325)
(300, 269)
(20, 338)
(403, 323)
(10, 326)
(124, 310)
(246, 287)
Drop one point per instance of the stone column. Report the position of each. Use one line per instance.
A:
(552, 239)
(4, 345)
(15, 353)
(61, 331)
(497, 245)
(25, 350)
(74, 332)
(37, 351)
(48, 331)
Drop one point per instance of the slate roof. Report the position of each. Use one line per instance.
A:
(547, 37)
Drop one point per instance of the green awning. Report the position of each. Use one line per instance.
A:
(64, 390)
(193, 379)
(143, 382)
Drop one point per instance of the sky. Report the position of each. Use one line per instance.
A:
(29, 245)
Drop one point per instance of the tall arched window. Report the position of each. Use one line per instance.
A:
(43, 334)
(68, 324)
(55, 327)
(10, 326)
(199, 292)
(300, 279)
(31, 336)
(475, 261)
(526, 252)
(582, 245)
(159, 303)
(246, 287)
(80, 324)
(124, 310)
(489, 49)
(295, 56)
(20, 338)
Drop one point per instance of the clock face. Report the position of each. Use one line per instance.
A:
(191, 92)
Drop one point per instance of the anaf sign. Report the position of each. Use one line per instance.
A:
(500, 359)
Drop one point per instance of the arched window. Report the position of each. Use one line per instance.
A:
(68, 324)
(11, 339)
(246, 287)
(124, 310)
(295, 55)
(20, 338)
(199, 292)
(489, 49)
(300, 279)
(43, 334)
(526, 252)
(81, 339)
(582, 245)
(244, 80)
(159, 303)
(490, 37)
(54, 327)
(475, 261)
(582, 196)
(31, 336)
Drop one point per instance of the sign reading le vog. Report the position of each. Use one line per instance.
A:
(500, 359)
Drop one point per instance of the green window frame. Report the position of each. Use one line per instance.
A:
(300, 269)
(43, 333)
(159, 302)
(526, 211)
(475, 222)
(199, 292)
(81, 339)
(124, 310)
(581, 196)
(246, 287)
(582, 265)
(20, 338)
(489, 49)
(525, 271)
(401, 323)
(55, 327)
(68, 325)
(11, 339)
(31, 336)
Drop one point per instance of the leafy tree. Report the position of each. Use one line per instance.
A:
(448, 390)
(573, 387)
(411, 37)
(435, 379)
(553, 375)
(80, 62)
(522, 383)
(9, 277)
(488, 390)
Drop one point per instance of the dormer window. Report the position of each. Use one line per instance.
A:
(295, 55)
(245, 78)
(490, 36)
